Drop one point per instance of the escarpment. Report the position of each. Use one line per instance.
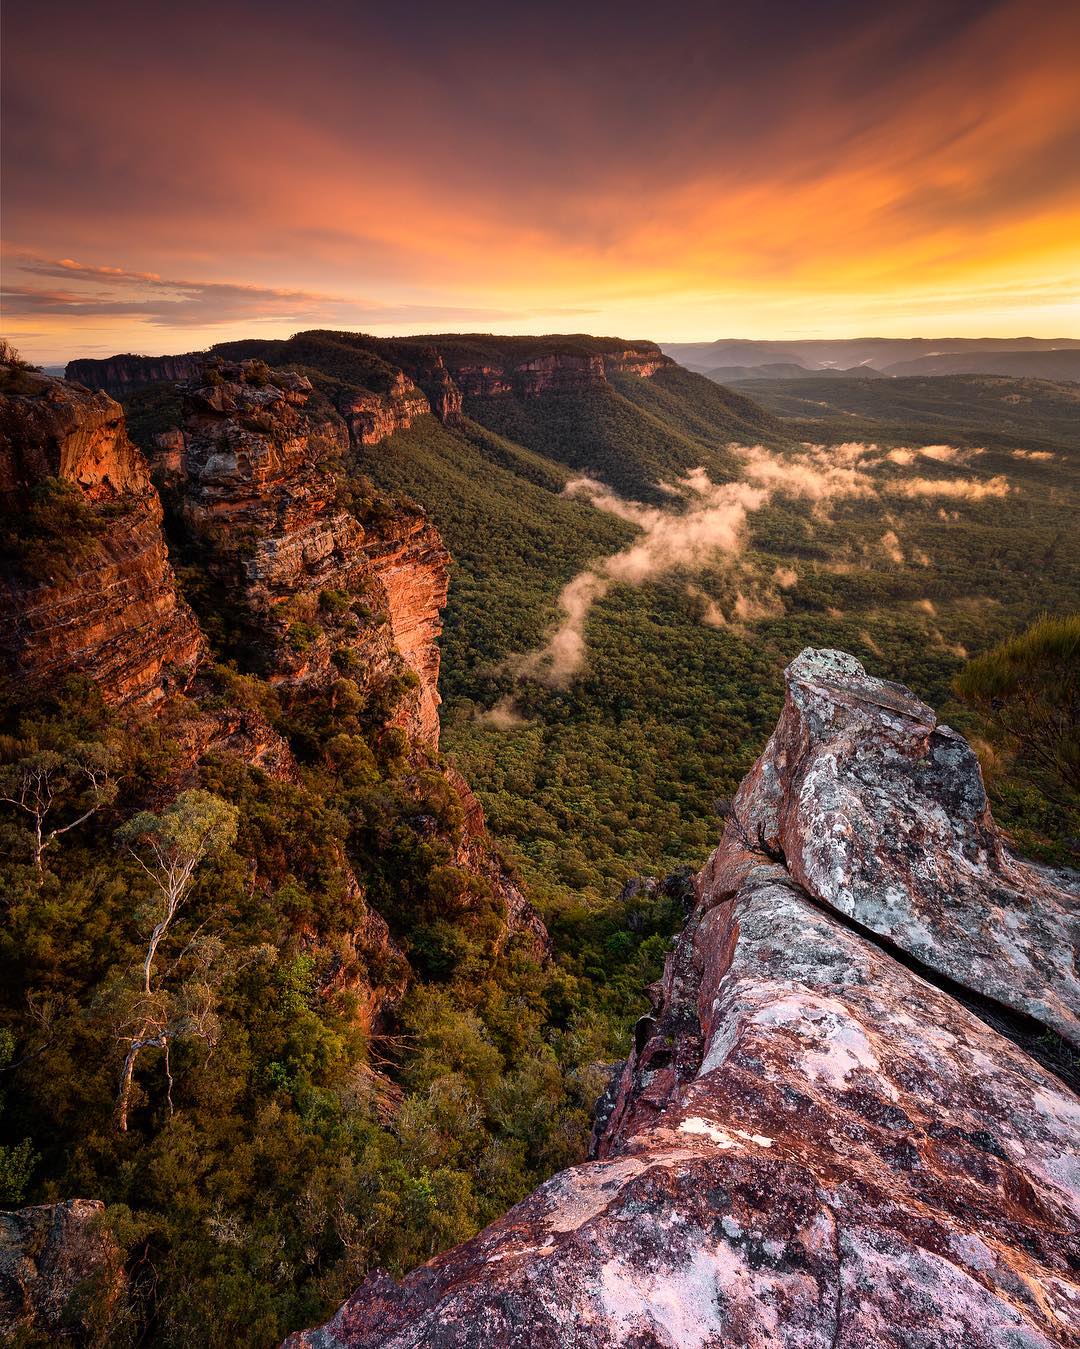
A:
(255, 478)
(384, 384)
(814, 1142)
(482, 374)
(119, 375)
(87, 583)
(303, 575)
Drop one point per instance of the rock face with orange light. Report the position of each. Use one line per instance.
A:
(89, 588)
(812, 1144)
(255, 476)
(556, 372)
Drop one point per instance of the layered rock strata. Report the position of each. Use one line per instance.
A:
(812, 1145)
(552, 372)
(87, 583)
(255, 477)
(120, 375)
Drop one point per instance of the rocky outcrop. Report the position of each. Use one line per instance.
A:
(642, 362)
(880, 813)
(423, 363)
(87, 582)
(120, 375)
(812, 1144)
(372, 417)
(61, 1274)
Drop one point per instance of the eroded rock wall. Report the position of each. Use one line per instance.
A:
(120, 375)
(87, 583)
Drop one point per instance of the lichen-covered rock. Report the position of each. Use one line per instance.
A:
(811, 1146)
(87, 585)
(880, 812)
(61, 1273)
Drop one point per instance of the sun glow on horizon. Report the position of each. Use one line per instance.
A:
(901, 174)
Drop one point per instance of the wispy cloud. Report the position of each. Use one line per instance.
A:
(97, 291)
(706, 523)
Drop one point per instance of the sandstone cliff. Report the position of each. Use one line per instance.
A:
(410, 562)
(496, 369)
(815, 1142)
(119, 375)
(255, 477)
(87, 583)
(387, 383)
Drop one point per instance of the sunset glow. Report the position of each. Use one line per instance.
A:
(178, 175)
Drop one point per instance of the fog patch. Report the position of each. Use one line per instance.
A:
(504, 716)
(948, 454)
(816, 473)
(751, 607)
(968, 489)
(711, 613)
(710, 525)
(786, 577)
(891, 544)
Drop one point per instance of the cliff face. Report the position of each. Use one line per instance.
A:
(411, 564)
(87, 585)
(551, 372)
(120, 375)
(255, 474)
(373, 417)
(396, 380)
(814, 1142)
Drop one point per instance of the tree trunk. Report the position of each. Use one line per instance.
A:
(124, 1094)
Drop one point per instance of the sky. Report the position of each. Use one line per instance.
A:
(179, 174)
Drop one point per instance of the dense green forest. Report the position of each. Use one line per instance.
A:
(619, 772)
(278, 1153)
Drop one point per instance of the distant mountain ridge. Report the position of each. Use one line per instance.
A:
(729, 374)
(1030, 357)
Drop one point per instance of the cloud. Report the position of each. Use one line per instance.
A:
(968, 489)
(706, 524)
(711, 613)
(105, 291)
(817, 473)
(504, 716)
(802, 166)
(891, 543)
(751, 607)
(1032, 454)
(710, 523)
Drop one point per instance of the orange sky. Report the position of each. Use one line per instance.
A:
(179, 175)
